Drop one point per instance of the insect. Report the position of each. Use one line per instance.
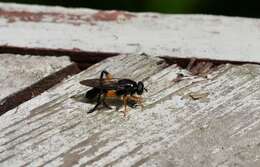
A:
(126, 89)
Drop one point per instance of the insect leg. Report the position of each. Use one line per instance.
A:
(107, 74)
(125, 104)
(104, 103)
(100, 93)
(108, 77)
(103, 73)
(137, 99)
(98, 103)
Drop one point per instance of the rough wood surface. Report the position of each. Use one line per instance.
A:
(201, 36)
(193, 122)
(19, 72)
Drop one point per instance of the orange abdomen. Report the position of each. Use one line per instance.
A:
(111, 93)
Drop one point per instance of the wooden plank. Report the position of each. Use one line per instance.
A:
(45, 123)
(218, 127)
(19, 72)
(27, 74)
(181, 36)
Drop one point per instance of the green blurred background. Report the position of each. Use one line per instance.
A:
(220, 7)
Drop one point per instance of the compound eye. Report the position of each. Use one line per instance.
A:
(140, 88)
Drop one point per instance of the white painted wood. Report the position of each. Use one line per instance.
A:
(182, 36)
(220, 128)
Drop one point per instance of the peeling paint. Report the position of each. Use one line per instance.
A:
(112, 16)
(70, 18)
(178, 36)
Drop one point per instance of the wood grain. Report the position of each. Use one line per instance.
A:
(221, 128)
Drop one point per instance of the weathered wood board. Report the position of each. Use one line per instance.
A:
(194, 122)
(182, 36)
(23, 76)
(19, 72)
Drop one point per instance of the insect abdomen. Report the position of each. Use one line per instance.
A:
(92, 93)
(111, 93)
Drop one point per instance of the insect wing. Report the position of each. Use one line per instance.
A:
(106, 84)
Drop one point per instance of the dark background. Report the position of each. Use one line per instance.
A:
(249, 8)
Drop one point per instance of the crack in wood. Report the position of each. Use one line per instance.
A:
(36, 89)
(84, 59)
